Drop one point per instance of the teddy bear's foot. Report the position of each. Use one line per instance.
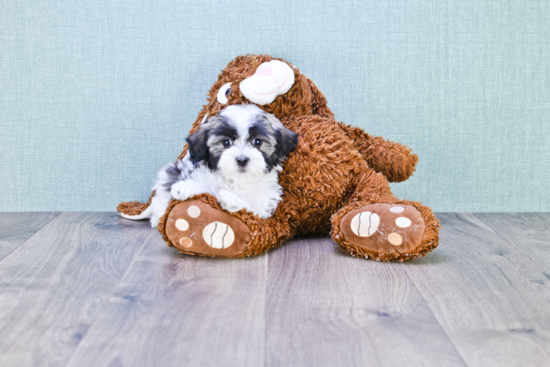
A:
(196, 228)
(384, 232)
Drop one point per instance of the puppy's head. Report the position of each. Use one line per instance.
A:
(242, 143)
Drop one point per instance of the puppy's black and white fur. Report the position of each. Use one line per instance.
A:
(235, 156)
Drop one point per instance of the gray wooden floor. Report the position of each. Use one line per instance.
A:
(92, 289)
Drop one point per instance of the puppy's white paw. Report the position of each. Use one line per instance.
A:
(230, 201)
(155, 219)
(180, 191)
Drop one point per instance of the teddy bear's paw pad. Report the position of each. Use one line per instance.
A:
(384, 228)
(197, 228)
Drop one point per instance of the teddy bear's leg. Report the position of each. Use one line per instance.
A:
(394, 160)
(375, 224)
(199, 226)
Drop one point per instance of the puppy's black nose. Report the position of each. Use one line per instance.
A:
(242, 160)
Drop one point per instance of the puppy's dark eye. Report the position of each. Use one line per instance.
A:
(227, 143)
(257, 142)
(228, 92)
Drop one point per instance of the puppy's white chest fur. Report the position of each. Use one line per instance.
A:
(260, 196)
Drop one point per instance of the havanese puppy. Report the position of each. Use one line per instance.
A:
(235, 156)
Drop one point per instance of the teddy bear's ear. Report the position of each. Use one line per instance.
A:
(319, 102)
(270, 80)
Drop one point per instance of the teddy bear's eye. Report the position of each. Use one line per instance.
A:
(223, 93)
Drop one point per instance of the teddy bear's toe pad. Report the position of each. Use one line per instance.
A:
(195, 227)
(384, 228)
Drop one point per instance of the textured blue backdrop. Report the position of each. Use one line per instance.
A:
(96, 96)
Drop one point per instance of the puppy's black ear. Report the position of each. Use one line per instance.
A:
(198, 150)
(287, 140)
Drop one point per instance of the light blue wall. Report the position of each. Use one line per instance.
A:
(96, 96)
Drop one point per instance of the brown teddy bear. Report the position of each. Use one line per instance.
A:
(335, 181)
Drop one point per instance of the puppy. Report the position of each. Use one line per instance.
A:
(235, 156)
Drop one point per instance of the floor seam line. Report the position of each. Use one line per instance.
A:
(437, 319)
(34, 234)
(265, 306)
(506, 240)
(109, 297)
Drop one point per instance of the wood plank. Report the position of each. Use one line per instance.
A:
(55, 284)
(178, 310)
(487, 295)
(16, 228)
(528, 232)
(325, 308)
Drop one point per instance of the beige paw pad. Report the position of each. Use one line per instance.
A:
(182, 225)
(186, 242)
(403, 222)
(395, 239)
(194, 211)
(218, 235)
(397, 209)
(365, 224)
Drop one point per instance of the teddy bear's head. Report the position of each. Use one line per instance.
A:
(273, 84)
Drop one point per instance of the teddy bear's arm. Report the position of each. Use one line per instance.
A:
(394, 160)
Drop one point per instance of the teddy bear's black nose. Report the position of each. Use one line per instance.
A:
(242, 160)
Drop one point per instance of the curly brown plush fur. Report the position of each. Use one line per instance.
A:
(335, 169)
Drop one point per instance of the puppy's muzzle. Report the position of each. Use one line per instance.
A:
(242, 161)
